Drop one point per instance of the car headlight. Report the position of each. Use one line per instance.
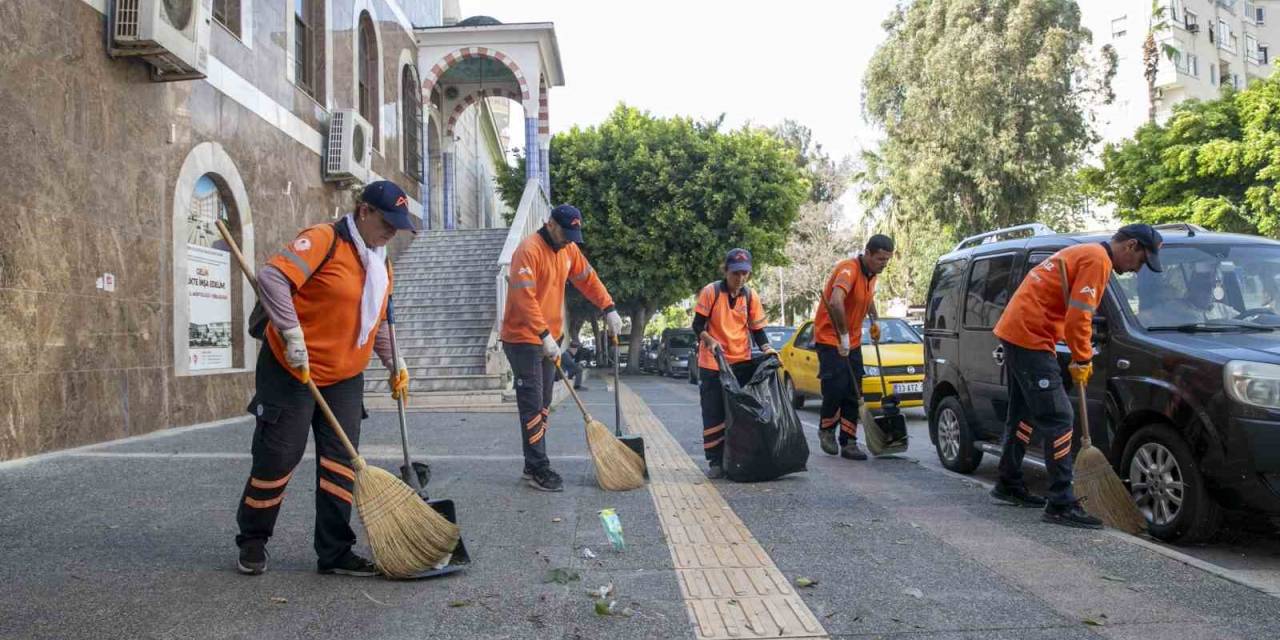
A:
(1253, 383)
(872, 371)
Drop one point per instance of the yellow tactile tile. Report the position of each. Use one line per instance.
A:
(730, 586)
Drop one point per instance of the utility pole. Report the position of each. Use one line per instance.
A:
(782, 295)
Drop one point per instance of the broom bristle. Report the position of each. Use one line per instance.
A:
(618, 468)
(407, 536)
(1104, 493)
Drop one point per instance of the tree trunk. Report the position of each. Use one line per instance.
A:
(575, 326)
(639, 318)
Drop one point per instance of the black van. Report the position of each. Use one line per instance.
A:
(1185, 397)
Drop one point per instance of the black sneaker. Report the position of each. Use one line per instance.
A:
(544, 479)
(253, 559)
(1070, 515)
(827, 438)
(1017, 496)
(582, 388)
(351, 565)
(851, 451)
(715, 471)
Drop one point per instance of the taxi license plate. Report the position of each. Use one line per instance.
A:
(909, 387)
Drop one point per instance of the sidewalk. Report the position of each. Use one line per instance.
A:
(134, 540)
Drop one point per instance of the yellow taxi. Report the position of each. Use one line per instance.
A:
(903, 352)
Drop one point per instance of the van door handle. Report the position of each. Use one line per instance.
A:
(998, 355)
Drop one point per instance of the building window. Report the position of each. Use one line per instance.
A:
(303, 47)
(1172, 11)
(1192, 22)
(1225, 36)
(1118, 28)
(1213, 74)
(411, 106)
(1251, 48)
(367, 76)
(1259, 15)
(1263, 58)
(227, 14)
(1187, 63)
(209, 290)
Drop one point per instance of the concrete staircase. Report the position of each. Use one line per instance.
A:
(445, 309)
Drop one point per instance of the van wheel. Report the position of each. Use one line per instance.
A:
(956, 449)
(797, 399)
(1167, 486)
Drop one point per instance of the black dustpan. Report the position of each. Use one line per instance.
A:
(887, 432)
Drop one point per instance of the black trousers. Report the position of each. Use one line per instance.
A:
(535, 377)
(711, 395)
(841, 380)
(1038, 402)
(571, 369)
(286, 412)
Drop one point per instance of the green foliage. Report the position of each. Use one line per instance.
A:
(984, 106)
(510, 182)
(1214, 163)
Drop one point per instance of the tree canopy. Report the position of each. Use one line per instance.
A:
(1215, 163)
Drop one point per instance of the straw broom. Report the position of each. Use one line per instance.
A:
(1097, 483)
(618, 468)
(407, 536)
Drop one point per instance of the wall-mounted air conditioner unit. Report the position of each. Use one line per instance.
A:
(349, 148)
(171, 35)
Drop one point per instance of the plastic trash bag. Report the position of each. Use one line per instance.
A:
(764, 439)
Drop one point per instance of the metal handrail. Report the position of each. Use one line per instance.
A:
(533, 212)
(1036, 229)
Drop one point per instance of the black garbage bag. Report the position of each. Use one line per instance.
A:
(764, 439)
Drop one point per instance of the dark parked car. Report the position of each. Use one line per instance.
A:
(649, 355)
(674, 351)
(1185, 397)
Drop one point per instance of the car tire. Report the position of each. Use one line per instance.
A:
(1157, 455)
(954, 439)
(797, 398)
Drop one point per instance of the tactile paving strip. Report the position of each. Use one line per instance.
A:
(731, 587)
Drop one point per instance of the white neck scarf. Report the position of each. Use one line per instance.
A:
(375, 282)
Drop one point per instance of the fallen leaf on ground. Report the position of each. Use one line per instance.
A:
(602, 592)
(278, 600)
(588, 553)
(1091, 622)
(902, 541)
(1113, 578)
(805, 582)
(844, 524)
(557, 519)
(458, 604)
(604, 607)
(562, 576)
(913, 592)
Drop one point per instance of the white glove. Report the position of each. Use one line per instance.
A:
(550, 347)
(295, 349)
(614, 321)
(844, 344)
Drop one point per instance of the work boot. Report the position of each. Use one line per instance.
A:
(1017, 496)
(544, 479)
(827, 438)
(1070, 515)
(851, 451)
(253, 558)
(715, 470)
(350, 564)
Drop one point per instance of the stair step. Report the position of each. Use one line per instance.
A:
(448, 341)
(438, 303)
(451, 383)
(408, 318)
(406, 288)
(461, 401)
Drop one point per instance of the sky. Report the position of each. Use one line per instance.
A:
(754, 61)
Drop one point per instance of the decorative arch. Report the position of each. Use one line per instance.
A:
(358, 10)
(438, 70)
(209, 158)
(471, 99)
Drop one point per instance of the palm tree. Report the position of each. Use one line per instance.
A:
(1151, 53)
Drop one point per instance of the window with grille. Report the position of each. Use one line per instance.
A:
(227, 13)
(411, 105)
(367, 77)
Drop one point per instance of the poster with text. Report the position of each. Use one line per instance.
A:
(209, 308)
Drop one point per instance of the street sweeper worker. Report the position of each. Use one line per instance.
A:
(847, 299)
(325, 295)
(532, 324)
(727, 317)
(1055, 303)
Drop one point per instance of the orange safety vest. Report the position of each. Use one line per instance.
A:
(731, 326)
(535, 293)
(859, 290)
(1057, 300)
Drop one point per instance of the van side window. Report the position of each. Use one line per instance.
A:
(941, 311)
(988, 291)
(805, 339)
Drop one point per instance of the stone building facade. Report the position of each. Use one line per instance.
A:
(117, 314)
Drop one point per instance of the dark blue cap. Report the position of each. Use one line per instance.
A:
(570, 220)
(388, 198)
(1149, 238)
(738, 260)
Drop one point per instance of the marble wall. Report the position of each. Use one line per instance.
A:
(87, 187)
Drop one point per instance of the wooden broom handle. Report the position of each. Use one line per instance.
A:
(569, 386)
(1085, 440)
(311, 385)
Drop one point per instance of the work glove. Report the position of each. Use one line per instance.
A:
(1081, 372)
(710, 343)
(400, 380)
(614, 321)
(844, 344)
(295, 351)
(550, 348)
(875, 331)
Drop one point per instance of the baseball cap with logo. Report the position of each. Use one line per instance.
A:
(1149, 238)
(389, 199)
(737, 260)
(570, 220)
